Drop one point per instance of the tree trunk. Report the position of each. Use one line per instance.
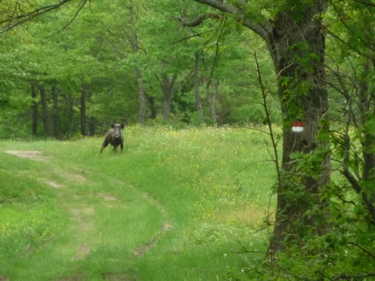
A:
(211, 97)
(45, 112)
(34, 110)
(71, 115)
(367, 115)
(298, 55)
(295, 40)
(168, 91)
(152, 106)
(55, 113)
(141, 98)
(92, 125)
(198, 99)
(138, 72)
(83, 111)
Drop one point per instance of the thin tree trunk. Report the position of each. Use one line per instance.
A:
(83, 111)
(152, 106)
(198, 99)
(45, 112)
(168, 91)
(138, 72)
(367, 112)
(141, 98)
(71, 115)
(92, 125)
(211, 97)
(34, 110)
(55, 113)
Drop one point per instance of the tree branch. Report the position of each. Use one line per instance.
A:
(261, 29)
(14, 20)
(74, 17)
(199, 20)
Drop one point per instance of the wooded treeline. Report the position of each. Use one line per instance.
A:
(123, 61)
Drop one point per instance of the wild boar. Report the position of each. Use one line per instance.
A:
(114, 137)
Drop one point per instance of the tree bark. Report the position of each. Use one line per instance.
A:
(45, 111)
(198, 99)
(34, 110)
(303, 97)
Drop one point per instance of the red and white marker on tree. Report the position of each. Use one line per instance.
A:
(297, 126)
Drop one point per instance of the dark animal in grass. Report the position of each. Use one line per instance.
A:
(114, 137)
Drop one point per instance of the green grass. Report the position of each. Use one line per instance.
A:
(173, 206)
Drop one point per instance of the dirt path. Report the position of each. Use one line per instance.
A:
(82, 213)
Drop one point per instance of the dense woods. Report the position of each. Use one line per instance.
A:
(78, 66)
(74, 71)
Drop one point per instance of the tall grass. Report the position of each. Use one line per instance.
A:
(175, 205)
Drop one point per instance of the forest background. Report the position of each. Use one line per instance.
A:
(77, 69)
(128, 63)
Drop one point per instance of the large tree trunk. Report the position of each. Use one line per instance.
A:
(45, 112)
(168, 91)
(34, 110)
(198, 99)
(298, 55)
(295, 39)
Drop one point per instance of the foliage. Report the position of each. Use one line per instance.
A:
(94, 52)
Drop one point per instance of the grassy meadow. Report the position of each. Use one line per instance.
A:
(175, 205)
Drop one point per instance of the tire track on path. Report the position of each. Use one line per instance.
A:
(83, 214)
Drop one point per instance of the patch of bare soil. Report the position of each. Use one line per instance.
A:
(107, 196)
(78, 277)
(149, 244)
(77, 178)
(53, 184)
(85, 224)
(164, 228)
(3, 278)
(117, 277)
(111, 201)
(35, 155)
(82, 252)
